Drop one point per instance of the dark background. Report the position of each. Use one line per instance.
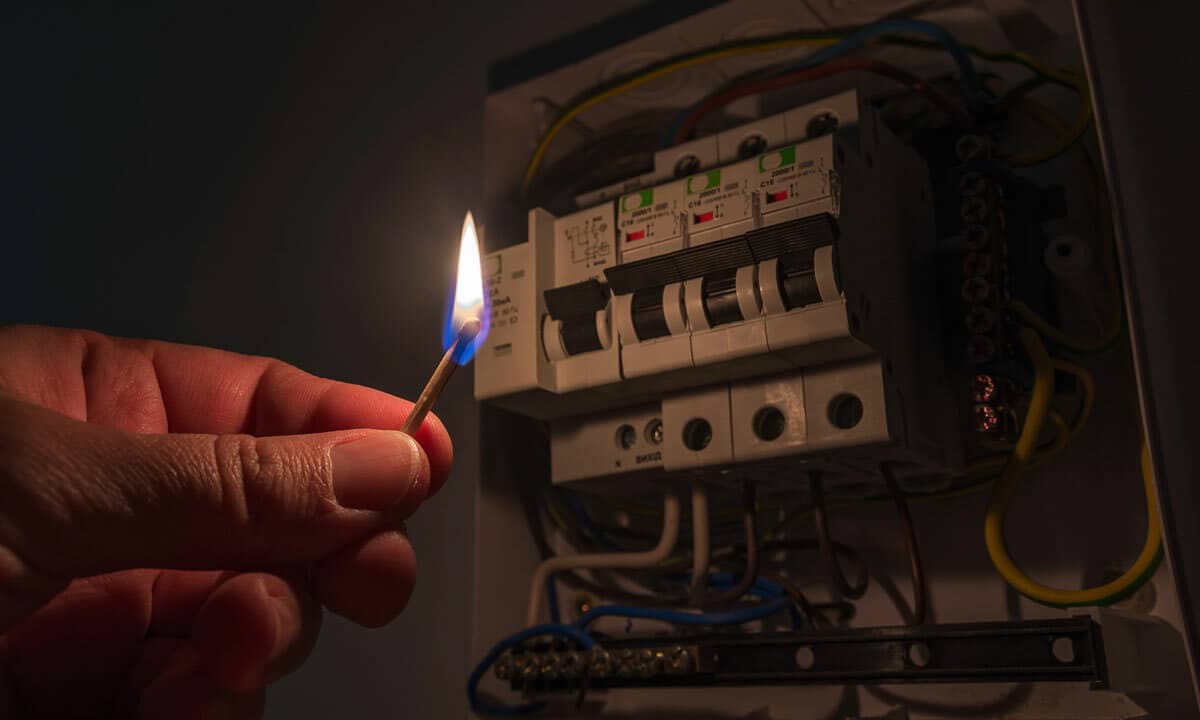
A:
(281, 181)
(291, 182)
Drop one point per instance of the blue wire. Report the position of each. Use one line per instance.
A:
(762, 587)
(484, 708)
(860, 37)
(769, 590)
(731, 617)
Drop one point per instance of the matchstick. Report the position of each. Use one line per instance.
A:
(441, 375)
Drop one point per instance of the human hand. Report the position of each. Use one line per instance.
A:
(172, 519)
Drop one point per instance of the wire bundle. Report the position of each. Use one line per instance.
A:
(683, 125)
(832, 46)
(829, 60)
(1039, 407)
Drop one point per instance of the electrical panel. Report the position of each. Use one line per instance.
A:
(783, 273)
(827, 284)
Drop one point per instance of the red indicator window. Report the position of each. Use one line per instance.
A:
(635, 235)
(703, 217)
(776, 196)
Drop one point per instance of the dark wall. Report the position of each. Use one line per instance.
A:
(272, 180)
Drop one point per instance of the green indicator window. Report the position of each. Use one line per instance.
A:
(637, 200)
(707, 181)
(777, 159)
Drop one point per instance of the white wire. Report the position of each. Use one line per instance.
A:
(591, 561)
(701, 543)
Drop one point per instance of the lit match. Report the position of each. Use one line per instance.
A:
(465, 327)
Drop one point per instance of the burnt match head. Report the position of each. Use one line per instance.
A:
(469, 330)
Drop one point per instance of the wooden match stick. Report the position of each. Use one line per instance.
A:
(441, 375)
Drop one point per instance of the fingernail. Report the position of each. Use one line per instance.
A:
(376, 471)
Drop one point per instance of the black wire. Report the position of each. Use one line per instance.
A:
(837, 579)
(910, 543)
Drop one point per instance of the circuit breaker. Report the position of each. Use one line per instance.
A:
(786, 269)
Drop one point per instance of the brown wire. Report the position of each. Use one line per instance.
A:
(750, 572)
(795, 594)
(837, 579)
(910, 542)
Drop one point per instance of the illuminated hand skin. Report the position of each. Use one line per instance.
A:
(172, 519)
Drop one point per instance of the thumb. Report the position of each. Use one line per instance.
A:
(78, 499)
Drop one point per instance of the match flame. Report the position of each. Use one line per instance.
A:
(470, 299)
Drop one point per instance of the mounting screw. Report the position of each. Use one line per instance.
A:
(648, 663)
(530, 669)
(987, 420)
(973, 210)
(983, 388)
(626, 437)
(976, 289)
(977, 263)
(980, 319)
(600, 663)
(972, 147)
(551, 666)
(980, 349)
(976, 236)
(678, 660)
(751, 145)
(572, 664)
(686, 165)
(504, 667)
(625, 664)
(819, 125)
(973, 183)
(654, 432)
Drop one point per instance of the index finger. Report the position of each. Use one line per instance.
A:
(213, 391)
(197, 390)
